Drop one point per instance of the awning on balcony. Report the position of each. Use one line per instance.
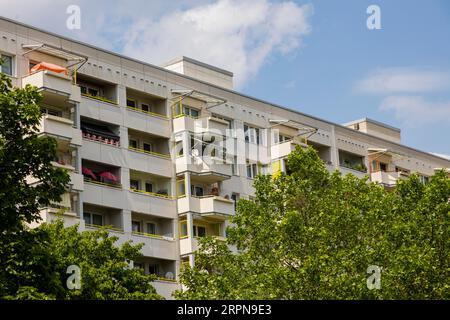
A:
(99, 130)
(209, 99)
(302, 130)
(49, 66)
(74, 60)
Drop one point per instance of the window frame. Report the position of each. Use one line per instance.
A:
(11, 64)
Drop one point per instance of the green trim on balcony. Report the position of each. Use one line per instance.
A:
(153, 114)
(165, 156)
(102, 99)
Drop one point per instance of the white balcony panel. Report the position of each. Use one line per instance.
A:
(104, 153)
(356, 173)
(49, 80)
(199, 166)
(147, 123)
(60, 127)
(150, 163)
(76, 180)
(188, 245)
(154, 205)
(201, 125)
(100, 110)
(206, 205)
(103, 195)
(157, 248)
(281, 150)
(166, 288)
(386, 178)
(184, 123)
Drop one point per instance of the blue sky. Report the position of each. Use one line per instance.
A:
(314, 56)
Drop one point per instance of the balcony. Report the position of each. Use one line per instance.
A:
(283, 149)
(207, 206)
(387, 179)
(166, 288)
(189, 245)
(76, 179)
(211, 125)
(53, 83)
(359, 173)
(60, 127)
(158, 247)
(147, 122)
(209, 170)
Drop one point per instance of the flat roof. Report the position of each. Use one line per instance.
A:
(199, 63)
(378, 123)
(216, 86)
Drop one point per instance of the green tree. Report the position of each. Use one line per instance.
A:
(25, 156)
(33, 263)
(312, 235)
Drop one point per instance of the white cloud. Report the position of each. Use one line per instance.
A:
(235, 35)
(239, 36)
(403, 80)
(415, 110)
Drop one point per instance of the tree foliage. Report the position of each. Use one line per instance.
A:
(33, 263)
(312, 235)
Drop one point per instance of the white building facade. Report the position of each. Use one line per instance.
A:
(160, 155)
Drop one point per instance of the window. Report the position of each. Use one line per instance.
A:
(235, 198)
(252, 134)
(197, 191)
(133, 143)
(199, 231)
(134, 184)
(150, 228)
(280, 138)
(93, 92)
(179, 148)
(383, 166)
(234, 166)
(183, 231)
(374, 165)
(424, 179)
(148, 147)
(356, 126)
(93, 219)
(135, 226)
(145, 107)
(153, 269)
(131, 103)
(7, 66)
(148, 187)
(51, 112)
(230, 122)
(252, 170)
(189, 111)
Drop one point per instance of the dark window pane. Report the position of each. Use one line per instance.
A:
(97, 219)
(131, 103)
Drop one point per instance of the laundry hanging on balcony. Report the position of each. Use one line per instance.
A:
(49, 66)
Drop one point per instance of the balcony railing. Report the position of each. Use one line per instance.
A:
(166, 156)
(111, 184)
(101, 139)
(107, 227)
(153, 194)
(99, 98)
(158, 236)
(153, 114)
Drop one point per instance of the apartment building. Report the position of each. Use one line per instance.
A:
(160, 154)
